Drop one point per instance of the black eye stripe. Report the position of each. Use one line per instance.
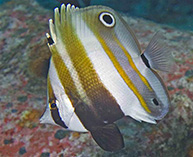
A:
(56, 115)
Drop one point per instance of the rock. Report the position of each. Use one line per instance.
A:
(22, 151)
(189, 73)
(46, 154)
(9, 105)
(60, 134)
(8, 141)
(22, 98)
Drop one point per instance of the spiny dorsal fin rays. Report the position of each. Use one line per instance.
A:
(50, 40)
(158, 55)
(56, 18)
(52, 47)
(52, 30)
(66, 9)
(60, 19)
(62, 12)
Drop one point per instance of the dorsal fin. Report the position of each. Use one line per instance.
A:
(158, 55)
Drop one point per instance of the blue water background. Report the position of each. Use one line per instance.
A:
(176, 13)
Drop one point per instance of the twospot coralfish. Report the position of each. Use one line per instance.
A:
(98, 74)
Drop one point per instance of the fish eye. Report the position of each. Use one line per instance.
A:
(154, 100)
(107, 19)
(53, 106)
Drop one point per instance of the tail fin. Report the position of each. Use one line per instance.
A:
(108, 137)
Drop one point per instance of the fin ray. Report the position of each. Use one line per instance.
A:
(158, 54)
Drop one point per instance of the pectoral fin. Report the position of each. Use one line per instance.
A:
(157, 56)
(108, 137)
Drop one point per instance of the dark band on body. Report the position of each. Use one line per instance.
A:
(56, 115)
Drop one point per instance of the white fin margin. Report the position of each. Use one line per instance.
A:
(46, 117)
(140, 116)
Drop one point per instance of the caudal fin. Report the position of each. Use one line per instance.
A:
(108, 137)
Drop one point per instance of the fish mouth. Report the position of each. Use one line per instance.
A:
(164, 112)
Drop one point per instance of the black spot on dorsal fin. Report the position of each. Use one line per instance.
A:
(145, 60)
(50, 40)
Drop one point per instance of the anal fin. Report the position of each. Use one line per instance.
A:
(108, 137)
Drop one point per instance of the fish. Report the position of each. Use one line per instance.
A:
(98, 74)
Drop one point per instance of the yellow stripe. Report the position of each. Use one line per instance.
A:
(93, 89)
(63, 72)
(52, 98)
(93, 92)
(82, 64)
(132, 64)
(50, 90)
(102, 102)
(122, 72)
